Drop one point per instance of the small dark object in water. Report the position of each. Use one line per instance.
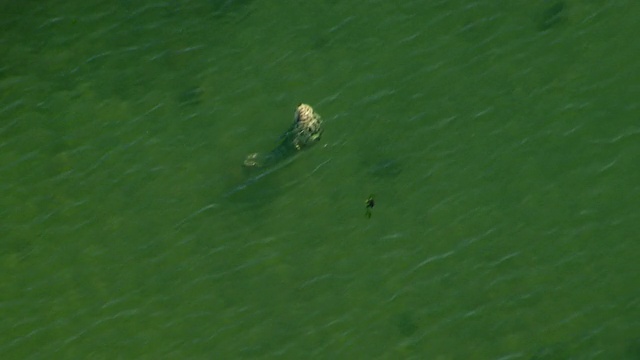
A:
(369, 204)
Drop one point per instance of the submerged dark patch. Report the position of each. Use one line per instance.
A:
(385, 168)
(191, 96)
(552, 16)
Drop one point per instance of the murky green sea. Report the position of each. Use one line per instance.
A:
(501, 141)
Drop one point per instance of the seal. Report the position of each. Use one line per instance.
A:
(305, 131)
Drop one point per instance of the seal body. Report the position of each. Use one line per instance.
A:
(305, 131)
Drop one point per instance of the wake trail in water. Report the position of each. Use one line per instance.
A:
(244, 185)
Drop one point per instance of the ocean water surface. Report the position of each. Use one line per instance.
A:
(500, 139)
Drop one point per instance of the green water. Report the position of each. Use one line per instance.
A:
(500, 138)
